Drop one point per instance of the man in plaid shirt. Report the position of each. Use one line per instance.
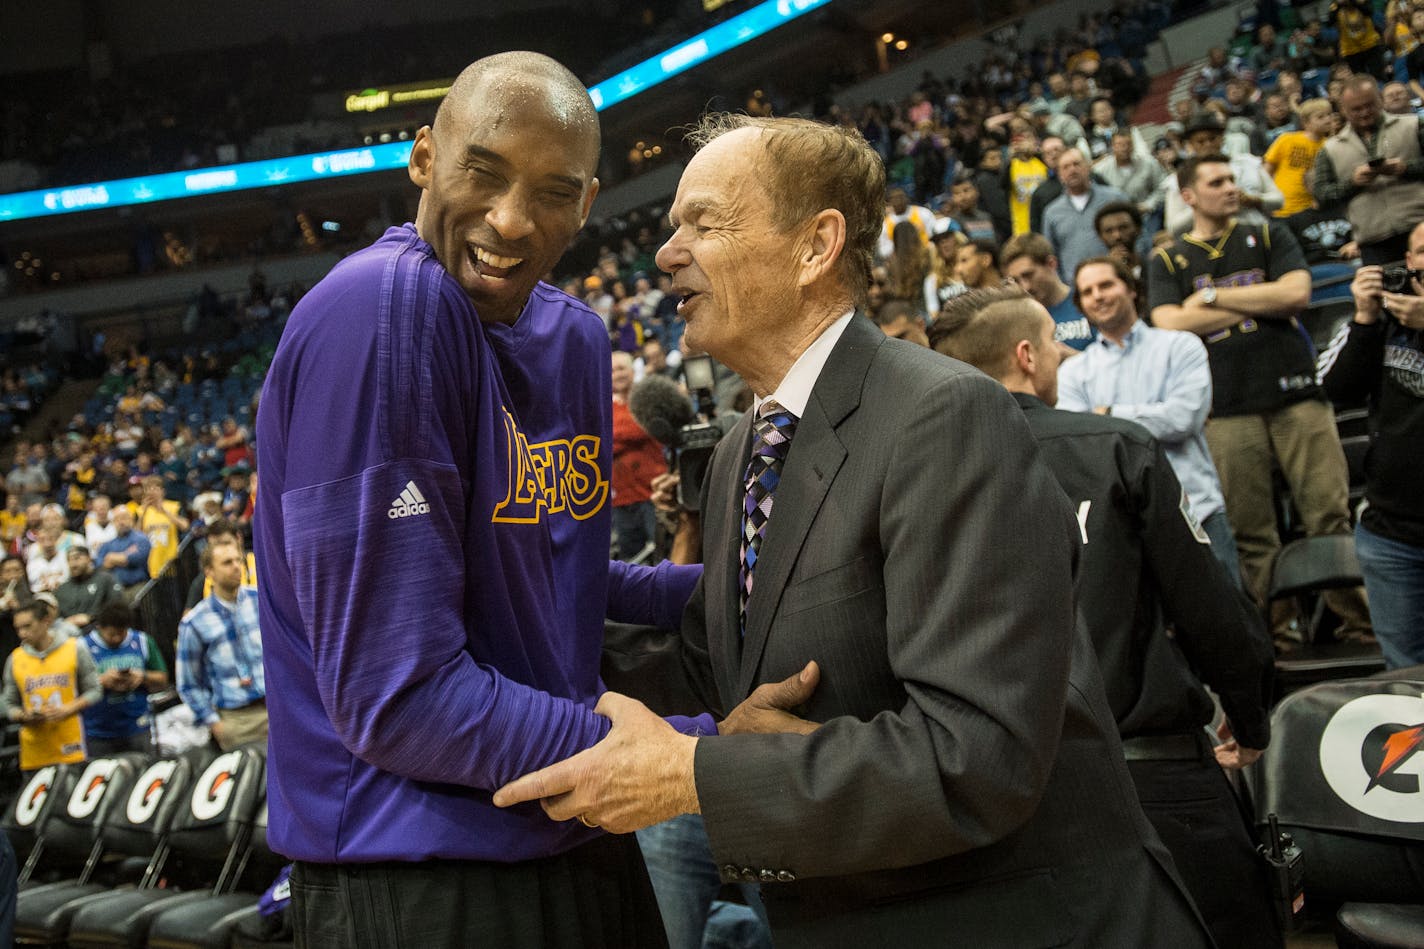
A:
(219, 660)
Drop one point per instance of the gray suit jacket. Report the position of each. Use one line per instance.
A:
(966, 786)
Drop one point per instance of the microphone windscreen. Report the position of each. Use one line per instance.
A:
(659, 405)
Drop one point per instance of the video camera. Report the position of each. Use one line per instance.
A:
(689, 427)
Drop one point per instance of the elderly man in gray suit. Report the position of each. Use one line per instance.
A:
(946, 771)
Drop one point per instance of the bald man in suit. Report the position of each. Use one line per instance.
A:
(946, 771)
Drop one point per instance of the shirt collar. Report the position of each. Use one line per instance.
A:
(1128, 341)
(794, 393)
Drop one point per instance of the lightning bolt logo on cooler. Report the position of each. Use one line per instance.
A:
(1370, 755)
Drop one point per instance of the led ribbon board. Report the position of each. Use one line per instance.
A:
(706, 45)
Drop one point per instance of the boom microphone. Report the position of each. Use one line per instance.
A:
(659, 405)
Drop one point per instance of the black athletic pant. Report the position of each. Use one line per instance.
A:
(596, 896)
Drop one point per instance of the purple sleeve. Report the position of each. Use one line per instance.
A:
(650, 596)
(383, 599)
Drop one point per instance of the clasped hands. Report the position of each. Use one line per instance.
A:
(641, 773)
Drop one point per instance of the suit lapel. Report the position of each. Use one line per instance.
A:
(816, 456)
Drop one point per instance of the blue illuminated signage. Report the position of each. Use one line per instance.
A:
(356, 161)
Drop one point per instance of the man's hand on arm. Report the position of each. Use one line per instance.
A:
(640, 774)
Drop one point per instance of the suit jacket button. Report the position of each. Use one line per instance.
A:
(768, 876)
(785, 876)
(749, 875)
(731, 872)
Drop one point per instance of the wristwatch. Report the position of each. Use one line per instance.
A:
(1209, 296)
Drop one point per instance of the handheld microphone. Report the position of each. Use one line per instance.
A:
(659, 405)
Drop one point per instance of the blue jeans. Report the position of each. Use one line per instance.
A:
(634, 527)
(1394, 580)
(1223, 545)
(685, 880)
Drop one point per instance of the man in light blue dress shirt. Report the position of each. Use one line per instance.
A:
(1159, 379)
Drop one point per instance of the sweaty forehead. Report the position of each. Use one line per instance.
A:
(504, 103)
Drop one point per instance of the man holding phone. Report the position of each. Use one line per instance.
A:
(49, 679)
(1376, 164)
(130, 667)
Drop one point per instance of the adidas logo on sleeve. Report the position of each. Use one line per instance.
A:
(410, 503)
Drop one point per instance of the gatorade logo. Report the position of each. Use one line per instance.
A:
(214, 789)
(90, 789)
(1370, 756)
(31, 800)
(148, 790)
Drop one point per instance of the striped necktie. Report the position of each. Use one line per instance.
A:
(771, 440)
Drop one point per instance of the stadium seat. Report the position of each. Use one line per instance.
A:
(212, 835)
(137, 830)
(1342, 777)
(29, 812)
(1304, 569)
(208, 924)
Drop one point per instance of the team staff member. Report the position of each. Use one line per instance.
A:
(1382, 359)
(1239, 287)
(1146, 565)
(432, 550)
(49, 680)
(963, 740)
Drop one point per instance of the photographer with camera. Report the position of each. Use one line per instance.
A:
(1379, 357)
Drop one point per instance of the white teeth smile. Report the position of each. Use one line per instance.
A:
(494, 260)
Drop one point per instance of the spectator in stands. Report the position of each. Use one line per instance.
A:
(637, 460)
(130, 668)
(1049, 190)
(1158, 378)
(1049, 124)
(1279, 116)
(901, 319)
(1291, 157)
(232, 442)
(222, 531)
(1028, 261)
(1119, 225)
(971, 220)
(162, 521)
(87, 590)
(12, 524)
(974, 264)
(27, 478)
(1256, 193)
(14, 584)
(1240, 287)
(126, 556)
(1395, 99)
(1379, 358)
(46, 563)
(990, 180)
(237, 498)
(1102, 126)
(49, 680)
(1270, 52)
(98, 529)
(908, 267)
(655, 360)
(1080, 96)
(1135, 175)
(1027, 171)
(1414, 59)
(174, 471)
(899, 209)
(219, 660)
(1374, 164)
(944, 282)
(1068, 220)
(1360, 45)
